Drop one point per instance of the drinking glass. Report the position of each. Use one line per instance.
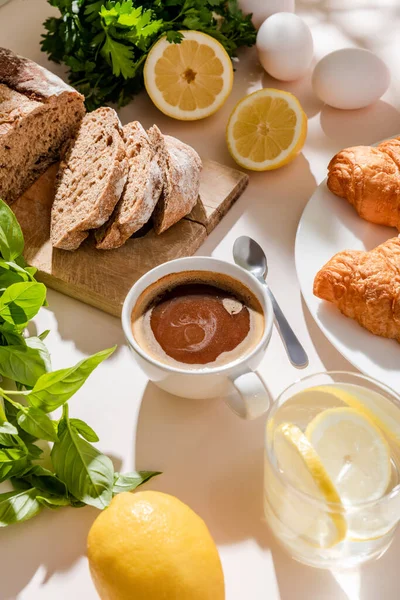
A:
(313, 496)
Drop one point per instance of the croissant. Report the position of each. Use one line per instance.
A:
(365, 286)
(369, 178)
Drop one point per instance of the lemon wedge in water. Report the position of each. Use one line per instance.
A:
(356, 456)
(354, 453)
(300, 465)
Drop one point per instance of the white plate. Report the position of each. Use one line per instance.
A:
(328, 225)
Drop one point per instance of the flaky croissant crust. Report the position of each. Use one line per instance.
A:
(369, 178)
(365, 286)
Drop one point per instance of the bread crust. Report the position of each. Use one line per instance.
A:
(369, 179)
(182, 168)
(141, 192)
(75, 212)
(32, 80)
(365, 286)
(32, 101)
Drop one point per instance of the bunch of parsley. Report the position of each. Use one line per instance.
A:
(76, 473)
(105, 43)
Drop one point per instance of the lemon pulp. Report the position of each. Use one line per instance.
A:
(266, 130)
(189, 80)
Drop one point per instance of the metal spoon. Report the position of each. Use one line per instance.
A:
(250, 256)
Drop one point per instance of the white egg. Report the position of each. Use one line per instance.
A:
(262, 9)
(350, 78)
(285, 46)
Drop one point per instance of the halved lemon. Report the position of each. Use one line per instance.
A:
(190, 80)
(321, 526)
(266, 130)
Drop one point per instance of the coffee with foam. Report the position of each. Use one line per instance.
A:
(197, 320)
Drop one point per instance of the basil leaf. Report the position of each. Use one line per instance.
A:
(45, 481)
(84, 429)
(51, 501)
(21, 302)
(76, 503)
(11, 414)
(16, 267)
(24, 364)
(8, 277)
(13, 469)
(36, 343)
(11, 337)
(87, 473)
(19, 483)
(31, 272)
(42, 336)
(8, 428)
(37, 423)
(11, 238)
(126, 482)
(18, 506)
(34, 451)
(7, 440)
(2, 411)
(53, 389)
(9, 455)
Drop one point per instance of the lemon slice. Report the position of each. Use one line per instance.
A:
(190, 80)
(354, 453)
(377, 519)
(372, 405)
(302, 467)
(266, 130)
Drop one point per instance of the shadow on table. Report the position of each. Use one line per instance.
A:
(301, 88)
(330, 357)
(269, 198)
(90, 329)
(373, 581)
(54, 540)
(248, 74)
(308, 583)
(364, 126)
(203, 442)
(380, 579)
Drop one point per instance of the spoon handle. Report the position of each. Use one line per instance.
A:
(294, 349)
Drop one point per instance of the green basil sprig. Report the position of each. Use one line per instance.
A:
(79, 473)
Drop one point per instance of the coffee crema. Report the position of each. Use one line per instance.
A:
(197, 319)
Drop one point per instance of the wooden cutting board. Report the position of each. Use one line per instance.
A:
(102, 278)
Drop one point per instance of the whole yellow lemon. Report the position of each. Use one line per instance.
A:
(151, 546)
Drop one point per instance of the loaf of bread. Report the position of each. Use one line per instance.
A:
(91, 179)
(38, 113)
(181, 166)
(141, 193)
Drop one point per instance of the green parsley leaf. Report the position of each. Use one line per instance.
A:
(105, 43)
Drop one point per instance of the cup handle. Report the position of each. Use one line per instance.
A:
(252, 398)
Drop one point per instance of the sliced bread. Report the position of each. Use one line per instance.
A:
(181, 166)
(38, 113)
(141, 192)
(90, 180)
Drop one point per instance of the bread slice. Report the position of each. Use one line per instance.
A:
(181, 166)
(141, 193)
(38, 113)
(90, 180)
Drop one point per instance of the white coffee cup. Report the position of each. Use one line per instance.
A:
(236, 382)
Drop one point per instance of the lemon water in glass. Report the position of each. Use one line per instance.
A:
(332, 465)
